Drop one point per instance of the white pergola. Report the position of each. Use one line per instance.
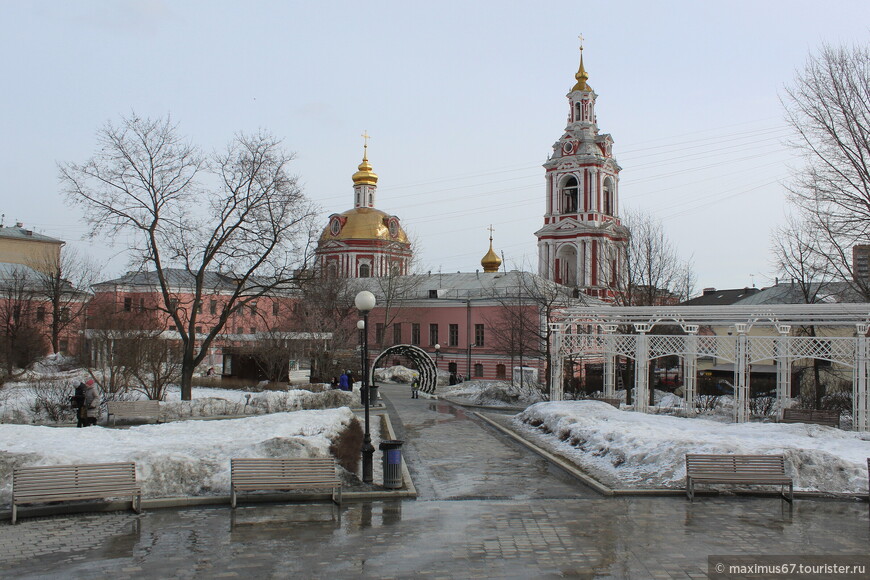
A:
(593, 331)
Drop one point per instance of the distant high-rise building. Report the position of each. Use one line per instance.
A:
(582, 243)
(861, 262)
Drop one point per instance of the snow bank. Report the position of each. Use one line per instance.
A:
(648, 450)
(492, 393)
(396, 374)
(182, 458)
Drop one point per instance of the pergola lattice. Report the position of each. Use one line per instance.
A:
(593, 331)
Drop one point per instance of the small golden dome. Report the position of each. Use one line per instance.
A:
(365, 175)
(490, 262)
(364, 223)
(581, 76)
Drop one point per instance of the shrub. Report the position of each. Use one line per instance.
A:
(51, 399)
(346, 447)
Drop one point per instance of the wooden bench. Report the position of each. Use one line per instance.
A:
(133, 410)
(818, 417)
(750, 469)
(50, 483)
(615, 402)
(283, 474)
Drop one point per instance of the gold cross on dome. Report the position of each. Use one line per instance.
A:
(366, 138)
(491, 229)
(581, 42)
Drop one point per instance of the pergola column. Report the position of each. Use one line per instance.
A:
(860, 394)
(609, 360)
(741, 372)
(641, 368)
(783, 366)
(556, 388)
(690, 369)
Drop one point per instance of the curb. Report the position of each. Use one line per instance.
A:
(606, 490)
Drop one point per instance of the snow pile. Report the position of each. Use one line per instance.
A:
(649, 450)
(491, 394)
(182, 458)
(396, 374)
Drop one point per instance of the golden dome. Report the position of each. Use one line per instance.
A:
(581, 76)
(365, 175)
(364, 223)
(490, 262)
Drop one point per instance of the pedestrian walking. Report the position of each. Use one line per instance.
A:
(342, 382)
(415, 388)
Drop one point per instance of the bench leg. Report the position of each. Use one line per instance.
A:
(690, 489)
(233, 498)
(137, 503)
(790, 497)
(14, 513)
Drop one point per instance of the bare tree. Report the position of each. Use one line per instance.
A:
(64, 286)
(799, 256)
(654, 273)
(326, 307)
(21, 342)
(239, 212)
(828, 106)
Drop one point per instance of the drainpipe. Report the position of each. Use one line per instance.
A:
(468, 337)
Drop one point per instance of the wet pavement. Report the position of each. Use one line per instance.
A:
(487, 508)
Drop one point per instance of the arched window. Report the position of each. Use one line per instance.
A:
(478, 370)
(608, 197)
(577, 112)
(332, 270)
(500, 371)
(365, 271)
(569, 195)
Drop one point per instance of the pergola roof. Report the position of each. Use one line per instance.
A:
(767, 315)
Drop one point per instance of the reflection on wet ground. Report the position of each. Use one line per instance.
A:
(487, 508)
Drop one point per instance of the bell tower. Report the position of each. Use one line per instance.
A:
(582, 243)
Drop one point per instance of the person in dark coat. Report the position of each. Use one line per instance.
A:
(78, 404)
(342, 382)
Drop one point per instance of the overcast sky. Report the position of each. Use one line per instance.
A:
(463, 101)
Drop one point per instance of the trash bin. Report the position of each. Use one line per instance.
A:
(373, 395)
(392, 453)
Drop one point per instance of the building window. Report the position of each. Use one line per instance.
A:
(199, 307)
(433, 334)
(478, 370)
(365, 270)
(63, 345)
(212, 307)
(379, 333)
(253, 330)
(569, 195)
(40, 314)
(478, 335)
(173, 305)
(141, 305)
(128, 304)
(500, 371)
(397, 333)
(252, 309)
(239, 330)
(64, 314)
(199, 330)
(274, 309)
(415, 333)
(453, 335)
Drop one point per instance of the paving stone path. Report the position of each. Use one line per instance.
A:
(487, 509)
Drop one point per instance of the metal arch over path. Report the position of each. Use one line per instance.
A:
(425, 365)
(609, 332)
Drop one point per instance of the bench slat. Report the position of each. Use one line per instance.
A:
(249, 474)
(748, 469)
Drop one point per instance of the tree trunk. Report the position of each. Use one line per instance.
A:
(188, 365)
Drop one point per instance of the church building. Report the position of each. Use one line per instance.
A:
(363, 242)
(582, 244)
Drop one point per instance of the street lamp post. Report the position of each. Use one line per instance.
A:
(365, 302)
(437, 354)
(361, 325)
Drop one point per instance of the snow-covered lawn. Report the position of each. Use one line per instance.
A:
(628, 449)
(184, 458)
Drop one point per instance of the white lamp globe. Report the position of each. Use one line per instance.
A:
(364, 301)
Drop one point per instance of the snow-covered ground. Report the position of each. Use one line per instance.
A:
(490, 394)
(628, 449)
(184, 458)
